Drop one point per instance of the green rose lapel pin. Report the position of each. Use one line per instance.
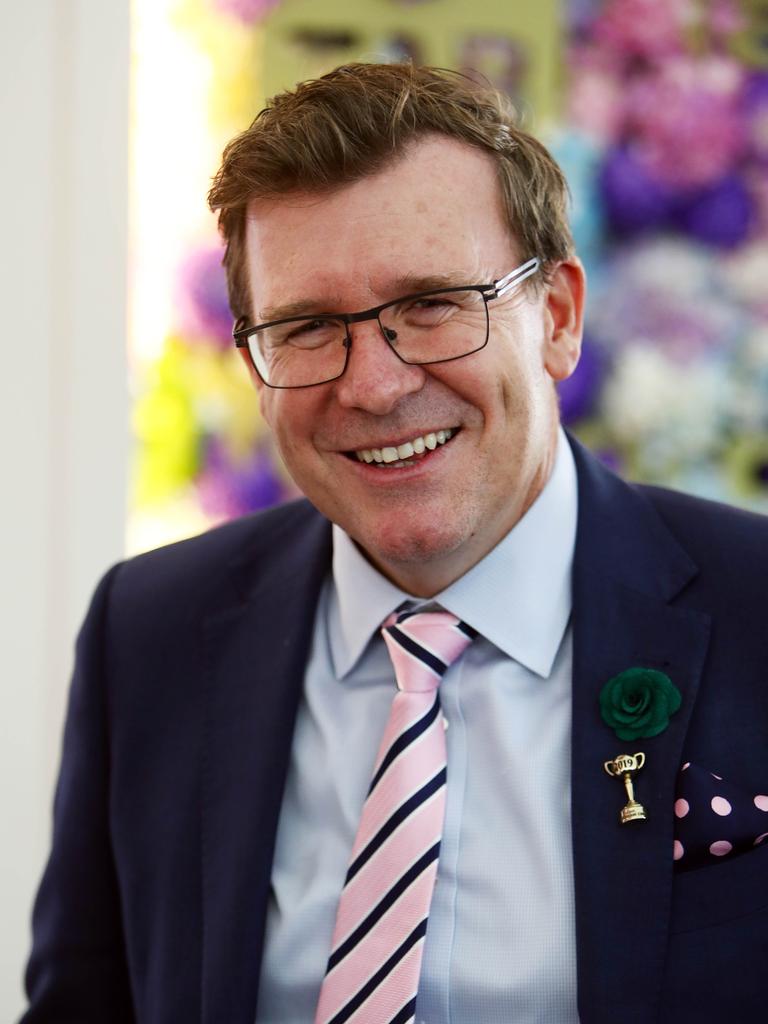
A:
(636, 704)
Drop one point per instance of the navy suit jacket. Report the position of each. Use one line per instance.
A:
(188, 675)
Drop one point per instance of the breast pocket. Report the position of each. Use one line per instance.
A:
(721, 892)
(717, 956)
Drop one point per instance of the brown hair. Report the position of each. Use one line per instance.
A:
(334, 130)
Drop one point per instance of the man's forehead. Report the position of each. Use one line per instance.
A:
(431, 166)
(413, 226)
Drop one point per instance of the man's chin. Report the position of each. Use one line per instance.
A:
(411, 555)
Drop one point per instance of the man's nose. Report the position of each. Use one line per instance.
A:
(375, 379)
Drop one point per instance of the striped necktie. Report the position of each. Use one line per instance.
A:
(373, 970)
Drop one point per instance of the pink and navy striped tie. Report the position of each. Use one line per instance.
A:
(381, 922)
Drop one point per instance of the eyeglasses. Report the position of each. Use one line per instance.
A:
(435, 326)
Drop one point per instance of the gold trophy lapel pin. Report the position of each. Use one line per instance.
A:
(636, 704)
(624, 767)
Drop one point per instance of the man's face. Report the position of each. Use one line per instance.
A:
(434, 214)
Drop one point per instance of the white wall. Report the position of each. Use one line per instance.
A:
(63, 401)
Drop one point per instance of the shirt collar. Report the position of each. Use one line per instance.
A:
(518, 596)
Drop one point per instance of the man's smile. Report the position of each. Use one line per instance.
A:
(399, 455)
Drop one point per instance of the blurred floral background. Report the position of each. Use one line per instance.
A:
(657, 111)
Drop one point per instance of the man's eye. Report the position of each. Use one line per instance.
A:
(310, 333)
(429, 310)
(306, 327)
(433, 303)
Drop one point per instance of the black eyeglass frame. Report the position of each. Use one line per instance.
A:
(241, 333)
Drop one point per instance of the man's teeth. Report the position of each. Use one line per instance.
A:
(390, 456)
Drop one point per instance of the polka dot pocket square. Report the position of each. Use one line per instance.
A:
(715, 819)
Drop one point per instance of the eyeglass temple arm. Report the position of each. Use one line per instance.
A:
(517, 276)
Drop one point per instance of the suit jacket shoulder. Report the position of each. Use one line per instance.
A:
(729, 541)
(193, 576)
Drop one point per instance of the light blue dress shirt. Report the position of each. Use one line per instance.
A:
(500, 945)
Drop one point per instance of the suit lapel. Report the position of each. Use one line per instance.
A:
(627, 570)
(256, 651)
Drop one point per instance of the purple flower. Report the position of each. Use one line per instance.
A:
(203, 305)
(756, 111)
(721, 215)
(579, 392)
(634, 201)
(228, 489)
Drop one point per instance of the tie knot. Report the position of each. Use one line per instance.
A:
(422, 645)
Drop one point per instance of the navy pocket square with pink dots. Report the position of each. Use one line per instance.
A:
(715, 819)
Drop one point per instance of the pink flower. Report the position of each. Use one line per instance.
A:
(248, 11)
(645, 28)
(685, 119)
(595, 95)
(726, 17)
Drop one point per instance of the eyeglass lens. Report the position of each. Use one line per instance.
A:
(427, 329)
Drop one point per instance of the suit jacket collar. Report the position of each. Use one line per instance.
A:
(629, 575)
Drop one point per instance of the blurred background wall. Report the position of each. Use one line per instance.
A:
(126, 418)
(63, 395)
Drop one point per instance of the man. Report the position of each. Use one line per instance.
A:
(407, 296)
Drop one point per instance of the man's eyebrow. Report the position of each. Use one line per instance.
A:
(407, 284)
(403, 284)
(301, 307)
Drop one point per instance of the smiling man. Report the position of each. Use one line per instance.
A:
(351, 759)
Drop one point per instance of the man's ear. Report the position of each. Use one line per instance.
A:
(564, 319)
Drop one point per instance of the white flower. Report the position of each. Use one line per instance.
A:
(672, 412)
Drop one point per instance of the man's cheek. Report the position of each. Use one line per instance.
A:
(265, 404)
(282, 420)
(295, 451)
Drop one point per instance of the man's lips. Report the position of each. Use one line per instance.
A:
(407, 452)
